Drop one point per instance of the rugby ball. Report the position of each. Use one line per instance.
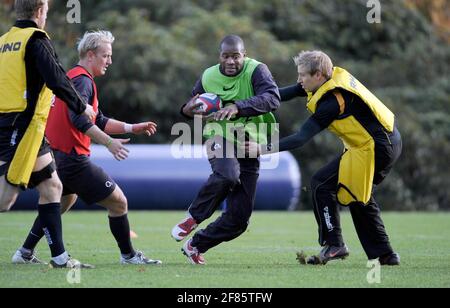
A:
(210, 103)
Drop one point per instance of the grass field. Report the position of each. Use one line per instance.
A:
(264, 256)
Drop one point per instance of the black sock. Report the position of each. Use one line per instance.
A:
(35, 235)
(50, 218)
(120, 228)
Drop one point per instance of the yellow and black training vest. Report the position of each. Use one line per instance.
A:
(13, 98)
(357, 164)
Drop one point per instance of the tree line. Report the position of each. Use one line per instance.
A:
(162, 47)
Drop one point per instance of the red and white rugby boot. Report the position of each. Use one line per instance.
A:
(192, 253)
(184, 228)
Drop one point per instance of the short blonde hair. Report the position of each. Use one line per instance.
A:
(315, 61)
(91, 40)
(25, 9)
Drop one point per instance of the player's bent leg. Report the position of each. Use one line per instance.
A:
(47, 182)
(27, 254)
(116, 203)
(44, 177)
(50, 217)
(117, 206)
(225, 176)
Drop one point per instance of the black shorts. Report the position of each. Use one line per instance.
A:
(81, 177)
(9, 141)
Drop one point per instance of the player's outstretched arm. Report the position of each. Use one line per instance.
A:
(114, 127)
(147, 128)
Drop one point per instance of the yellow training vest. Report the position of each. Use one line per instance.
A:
(13, 79)
(357, 165)
(13, 98)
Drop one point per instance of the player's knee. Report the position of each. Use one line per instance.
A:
(121, 205)
(51, 189)
(237, 222)
(243, 226)
(122, 208)
(56, 187)
(240, 227)
(243, 223)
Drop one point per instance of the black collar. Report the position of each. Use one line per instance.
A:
(25, 24)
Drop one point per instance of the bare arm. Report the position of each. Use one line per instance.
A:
(114, 127)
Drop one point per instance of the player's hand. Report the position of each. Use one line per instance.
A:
(148, 128)
(226, 113)
(252, 149)
(89, 112)
(191, 108)
(117, 149)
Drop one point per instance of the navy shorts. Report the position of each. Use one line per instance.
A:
(9, 141)
(82, 177)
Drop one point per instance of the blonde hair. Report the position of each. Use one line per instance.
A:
(91, 40)
(315, 61)
(25, 9)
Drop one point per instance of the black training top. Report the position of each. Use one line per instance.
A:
(327, 111)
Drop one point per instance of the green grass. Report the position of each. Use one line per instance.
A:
(264, 256)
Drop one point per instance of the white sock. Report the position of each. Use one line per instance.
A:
(62, 258)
